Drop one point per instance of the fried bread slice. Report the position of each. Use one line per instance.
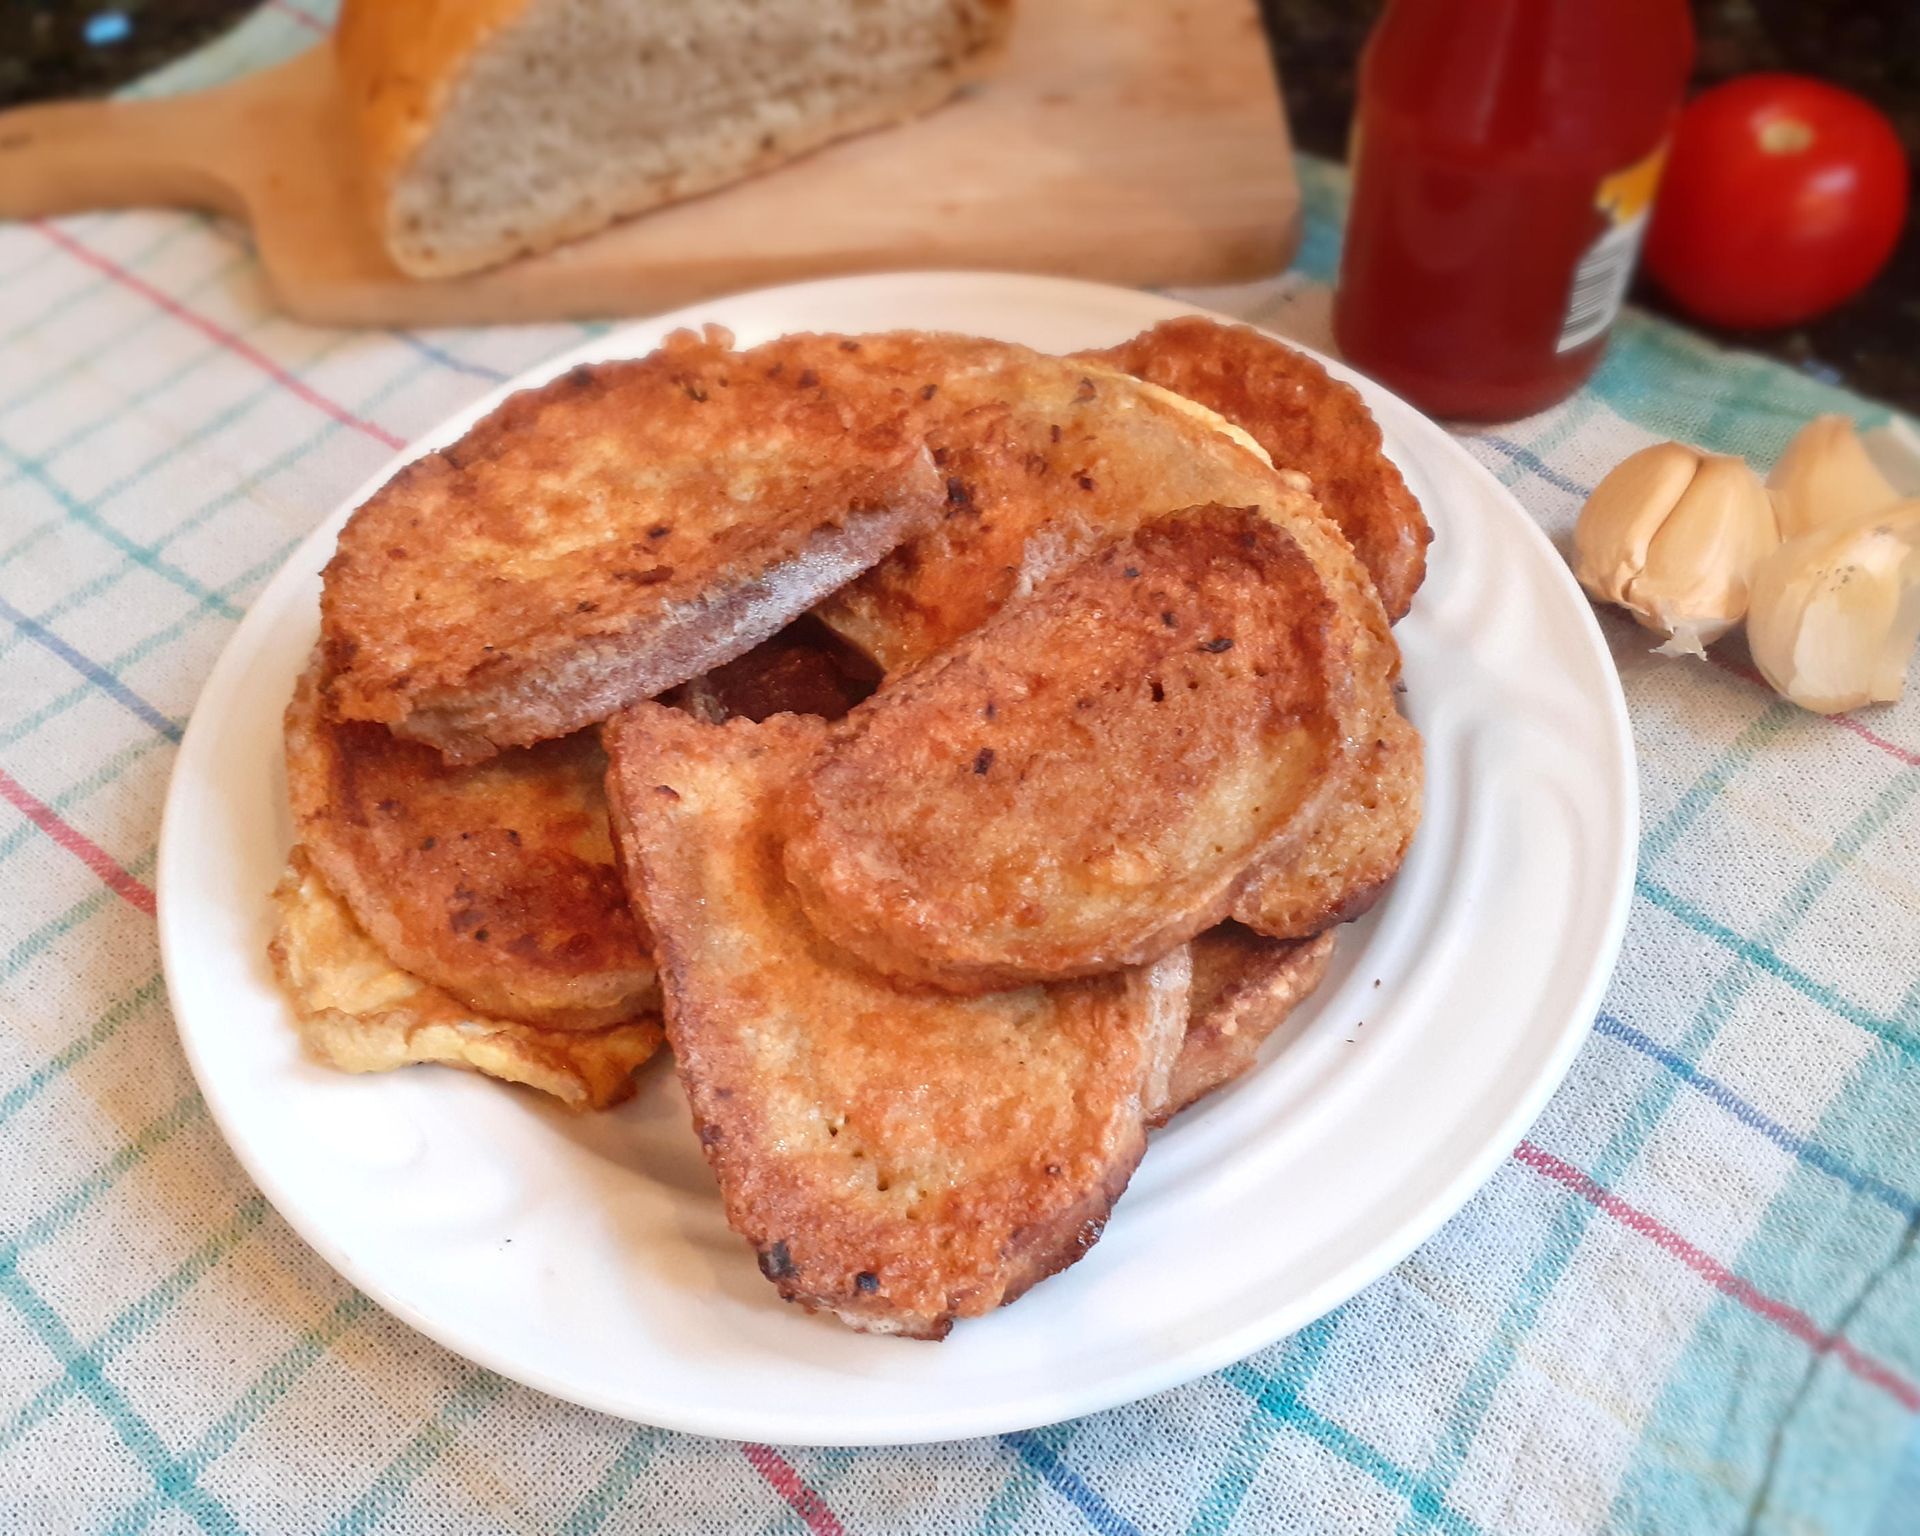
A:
(1045, 458)
(1083, 782)
(613, 533)
(1245, 986)
(1343, 861)
(897, 1160)
(359, 1012)
(493, 882)
(1306, 420)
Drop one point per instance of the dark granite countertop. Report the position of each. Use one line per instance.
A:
(54, 48)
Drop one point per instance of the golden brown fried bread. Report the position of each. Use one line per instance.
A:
(494, 882)
(897, 1160)
(614, 533)
(1082, 783)
(359, 1012)
(1306, 420)
(1045, 458)
(806, 669)
(1342, 862)
(1244, 987)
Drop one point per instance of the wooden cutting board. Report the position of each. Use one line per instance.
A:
(1138, 141)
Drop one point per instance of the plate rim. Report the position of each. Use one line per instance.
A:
(1156, 1374)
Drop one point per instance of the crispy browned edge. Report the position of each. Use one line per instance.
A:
(830, 852)
(1245, 986)
(1043, 1248)
(1343, 867)
(1306, 420)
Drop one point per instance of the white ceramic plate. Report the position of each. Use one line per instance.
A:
(588, 1257)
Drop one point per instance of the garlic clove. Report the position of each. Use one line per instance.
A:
(1672, 536)
(1835, 613)
(1894, 447)
(1700, 562)
(1826, 477)
(1625, 511)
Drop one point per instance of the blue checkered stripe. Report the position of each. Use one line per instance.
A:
(1688, 1304)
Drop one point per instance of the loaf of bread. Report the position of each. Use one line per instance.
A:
(492, 128)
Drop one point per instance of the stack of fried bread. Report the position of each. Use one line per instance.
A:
(960, 757)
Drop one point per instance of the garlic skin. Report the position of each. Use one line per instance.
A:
(1894, 447)
(1836, 612)
(1673, 536)
(1826, 477)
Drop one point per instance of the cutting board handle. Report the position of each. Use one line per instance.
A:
(68, 157)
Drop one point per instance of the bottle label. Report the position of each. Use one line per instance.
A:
(1624, 199)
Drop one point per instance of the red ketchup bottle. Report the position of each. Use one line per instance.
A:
(1505, 158)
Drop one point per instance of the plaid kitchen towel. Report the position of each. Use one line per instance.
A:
(1689, 1302)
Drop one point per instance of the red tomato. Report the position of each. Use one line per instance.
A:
(1782, 196)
